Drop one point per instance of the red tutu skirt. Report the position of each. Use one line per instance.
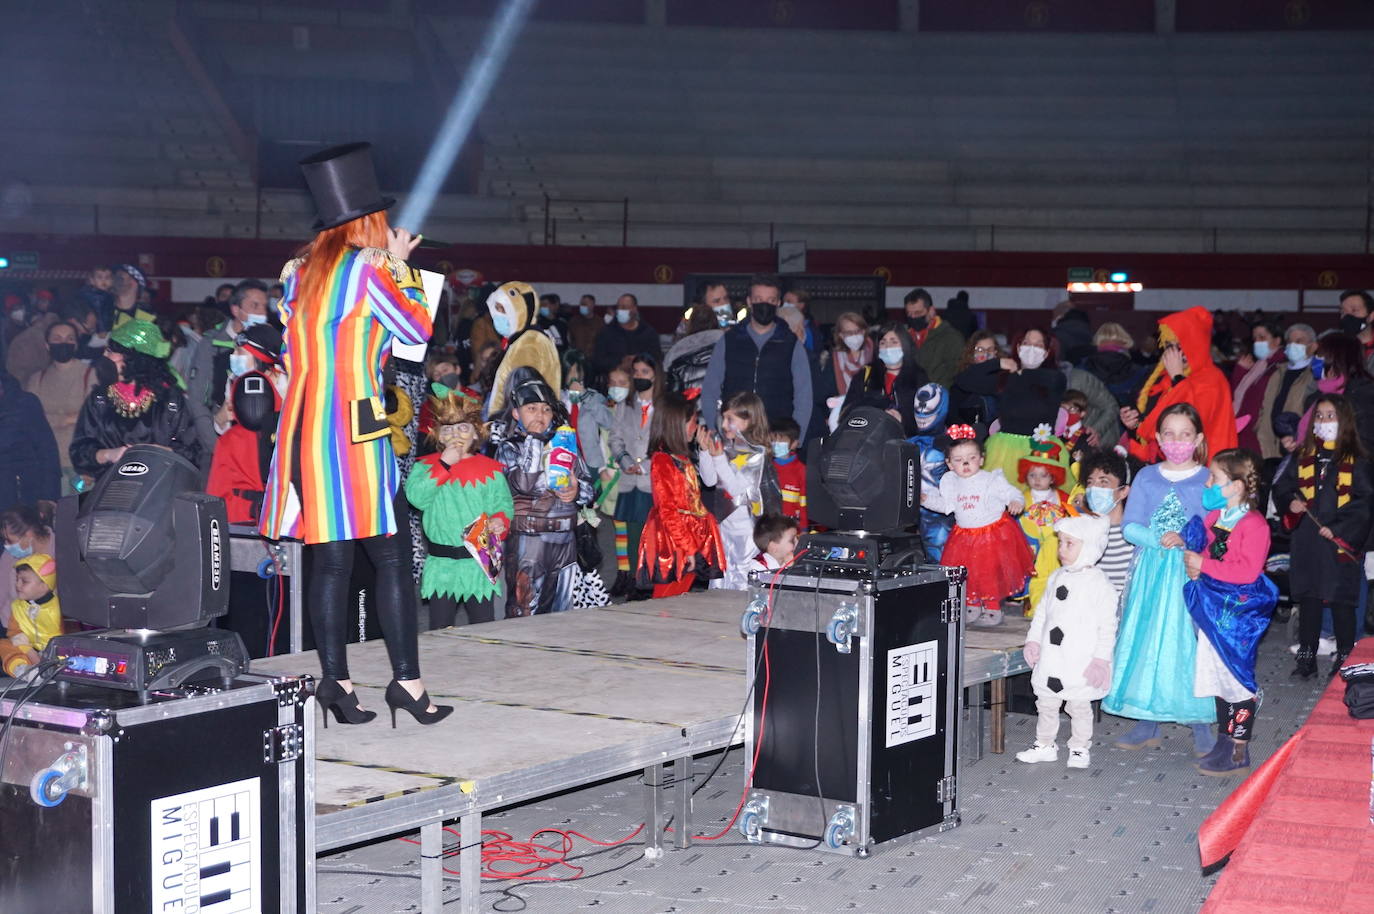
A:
(997, 557)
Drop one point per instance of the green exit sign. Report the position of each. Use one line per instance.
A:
(1080, 274)
(23, 260)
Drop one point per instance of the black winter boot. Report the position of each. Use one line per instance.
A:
(1306, 666)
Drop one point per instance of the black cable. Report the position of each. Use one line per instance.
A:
(753, 678)
(816, 725)
(57, 667)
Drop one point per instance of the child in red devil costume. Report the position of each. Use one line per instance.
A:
(681, 539)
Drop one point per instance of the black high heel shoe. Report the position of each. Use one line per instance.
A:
(332, 697)
(398, 699)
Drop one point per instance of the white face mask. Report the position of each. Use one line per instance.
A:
(241, 363)
(1031, 356)
(618, 394)
(1326, 431)
(623, 315)
(853, 341)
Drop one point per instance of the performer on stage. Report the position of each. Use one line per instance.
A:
(333, 478)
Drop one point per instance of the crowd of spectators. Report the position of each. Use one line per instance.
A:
(91, 371)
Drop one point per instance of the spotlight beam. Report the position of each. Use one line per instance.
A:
(462, 112)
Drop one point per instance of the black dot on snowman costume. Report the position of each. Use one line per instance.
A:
(1061, 592)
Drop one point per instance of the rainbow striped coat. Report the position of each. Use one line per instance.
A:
(333, 352)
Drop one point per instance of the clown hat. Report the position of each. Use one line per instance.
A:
(1045, 451)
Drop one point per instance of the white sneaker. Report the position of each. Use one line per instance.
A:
(1079, 758)
(989, 618)
(972, 612)
(1038, 753)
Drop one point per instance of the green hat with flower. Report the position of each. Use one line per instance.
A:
(141, 336)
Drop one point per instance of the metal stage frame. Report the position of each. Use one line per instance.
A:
(549, 703)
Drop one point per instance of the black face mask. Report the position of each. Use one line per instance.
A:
(1351, 324)
(105, 371)
(763, 312)
(451, 380)
(62, 352)
(918, 323)
(643, 384)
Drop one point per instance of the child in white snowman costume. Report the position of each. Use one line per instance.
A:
(1069, 645)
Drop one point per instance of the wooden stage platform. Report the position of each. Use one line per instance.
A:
(548, 703)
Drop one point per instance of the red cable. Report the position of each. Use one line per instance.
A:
(763, 713)
(528, 857)
(281, 604)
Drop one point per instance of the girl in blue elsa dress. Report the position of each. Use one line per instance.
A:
(1156, 646)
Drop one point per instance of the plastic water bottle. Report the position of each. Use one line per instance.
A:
(562, 457)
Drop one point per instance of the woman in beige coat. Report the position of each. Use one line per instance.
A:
(62, 388)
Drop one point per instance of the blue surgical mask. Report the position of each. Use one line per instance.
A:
(252, 320)
(891, 355)
(501, 322)
(1213, 499)
(780, 449)
(1297, 356)
(623, 315)
(617, 394)
(1262, 349)
(1101, 500)
(241, 363)
(545, 312)
(18, 551)
(585, 310)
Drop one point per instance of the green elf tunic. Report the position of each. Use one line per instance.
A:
(451, 498)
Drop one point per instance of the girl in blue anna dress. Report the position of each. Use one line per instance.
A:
(1156, 646)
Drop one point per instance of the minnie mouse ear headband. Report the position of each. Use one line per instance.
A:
(958, 434)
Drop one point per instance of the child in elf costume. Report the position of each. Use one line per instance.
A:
(454, 487)
(1042, 476)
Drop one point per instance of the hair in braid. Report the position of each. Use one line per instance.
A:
(1238, 463)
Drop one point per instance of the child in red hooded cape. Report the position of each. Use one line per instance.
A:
(1199, 382)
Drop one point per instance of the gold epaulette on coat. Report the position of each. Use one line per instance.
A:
(406, 276)
(290, 268)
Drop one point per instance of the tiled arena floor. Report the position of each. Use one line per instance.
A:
(1117, 837)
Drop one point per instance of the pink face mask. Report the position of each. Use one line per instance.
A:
(1330, 385)
(1177, 451)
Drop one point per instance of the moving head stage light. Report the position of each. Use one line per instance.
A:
(864, 480)
(142, 556)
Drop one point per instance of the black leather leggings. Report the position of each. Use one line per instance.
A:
(330, 570)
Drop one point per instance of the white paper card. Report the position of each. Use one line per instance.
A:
(434, 287)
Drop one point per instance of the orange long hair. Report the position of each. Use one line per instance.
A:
(370, 231)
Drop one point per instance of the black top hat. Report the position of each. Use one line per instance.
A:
(344, 184)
